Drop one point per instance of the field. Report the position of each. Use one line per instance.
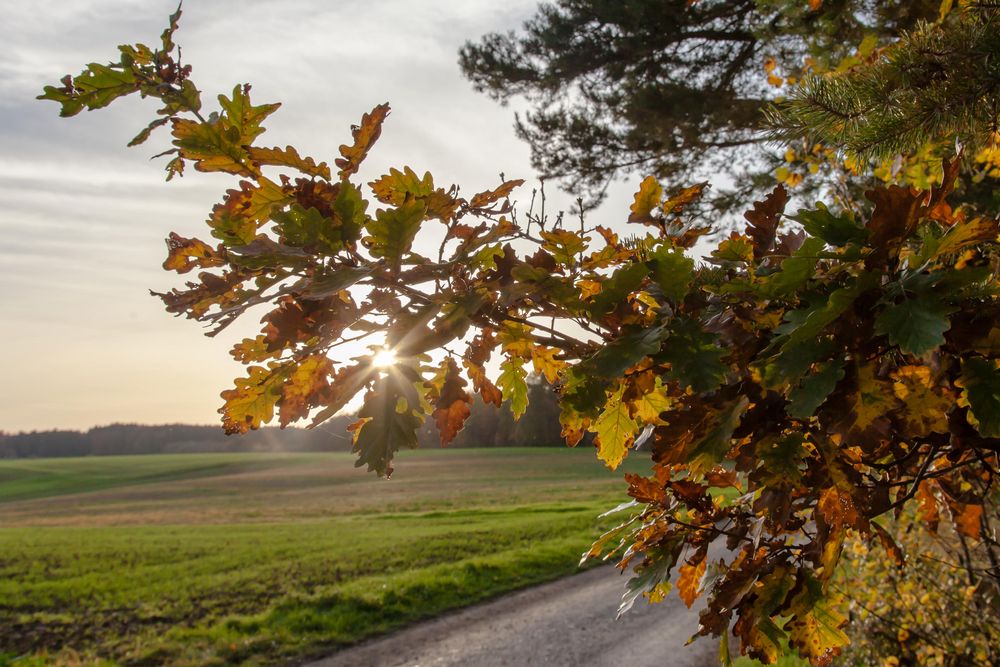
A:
(219, 559)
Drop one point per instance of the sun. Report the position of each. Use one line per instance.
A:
(384, 358)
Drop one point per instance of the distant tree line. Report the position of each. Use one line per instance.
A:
(487, 426)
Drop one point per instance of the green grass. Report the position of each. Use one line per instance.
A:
(254, 559)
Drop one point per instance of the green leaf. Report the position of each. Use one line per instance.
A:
(916, 325)
(349, 208)
(308, 228)
(94, 88)
(622, 282)
(813, 389)
(694, 356)
(793, 361)
(796, 270)
(622, 353)
(814, 628)
(672, 271)
(737, 248)
(980, 384)
(392, 413)
(243, 116)
(712, 448)
(811, 321)
(328, 284)
(780, 457)
(513, 386)
(485, 259)
(393, 230)
(210, 145)
(835, 230)
(264, 252)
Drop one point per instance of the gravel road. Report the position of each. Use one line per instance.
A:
(565, 623)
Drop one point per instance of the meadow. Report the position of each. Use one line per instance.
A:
(225, 559)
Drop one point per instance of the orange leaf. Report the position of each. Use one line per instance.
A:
(967, 521)
(483, 199)
(837, 507)
(185, 254)
(689, 581)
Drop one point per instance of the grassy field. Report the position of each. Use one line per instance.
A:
(220, 559)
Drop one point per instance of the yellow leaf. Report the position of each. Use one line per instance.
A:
(925, 406)
(873, 400)
(589, 288)
(944, 9)
(516, 339)
(304, 387)
(252, 402)
(648, 407)
(615, 430)
(289, 157)
(543, 360)
(815, 628)
(646, 199)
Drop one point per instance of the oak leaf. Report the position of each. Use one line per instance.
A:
(484, 199)
(451, 403)
(980, 383)
(513, 386)
(289, 157)
(305, 386)
(252, 401)
(185, 254)
(764, 219)
(615, 430)
(689, 580)
(646, 199)
(365, 136)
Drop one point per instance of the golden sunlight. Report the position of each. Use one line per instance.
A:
(384, 358)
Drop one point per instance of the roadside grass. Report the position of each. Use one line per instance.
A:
(269, 570)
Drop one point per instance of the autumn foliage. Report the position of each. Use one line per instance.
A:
(819, 369)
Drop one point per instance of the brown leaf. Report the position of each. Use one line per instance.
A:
(764, 219)
(644, 489)
(890, 546)
(837, 507)
(897, 212)
(451, 408)
(365, 136)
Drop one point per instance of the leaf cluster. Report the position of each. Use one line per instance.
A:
(808, 378)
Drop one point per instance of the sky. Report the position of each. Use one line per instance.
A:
(83, 218)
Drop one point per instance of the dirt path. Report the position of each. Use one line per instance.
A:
(565, 623)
